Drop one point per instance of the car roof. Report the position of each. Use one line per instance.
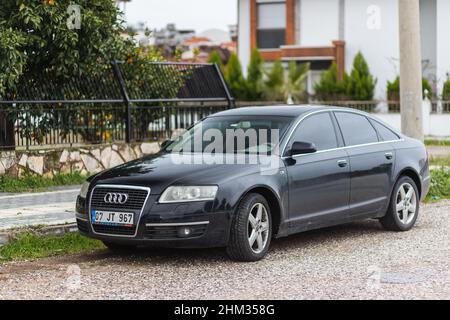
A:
(275, 110)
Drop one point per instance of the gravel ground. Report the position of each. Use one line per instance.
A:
(354, 261)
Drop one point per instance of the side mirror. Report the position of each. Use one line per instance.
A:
(300, 147)
(165, 144)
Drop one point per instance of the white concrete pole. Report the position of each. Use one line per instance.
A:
(410, 69)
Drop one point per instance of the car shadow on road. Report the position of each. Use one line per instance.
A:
(333, 234)
(320, 237)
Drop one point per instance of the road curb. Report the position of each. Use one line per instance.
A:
(7, 236)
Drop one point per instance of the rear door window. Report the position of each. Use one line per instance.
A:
(356, 129)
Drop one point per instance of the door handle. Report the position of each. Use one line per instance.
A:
(342, 163)
(389, 155)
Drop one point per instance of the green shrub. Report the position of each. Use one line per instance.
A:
(329, 88)
(393, 89)
(361, 84)
(254, 77)
(427, 91)
(294, 86)
(446, 90)
(214, 57)
(273, 85)
(393, 92)
(235, 78)
(280, 86)
(440, 185)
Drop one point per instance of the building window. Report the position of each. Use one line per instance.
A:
(271, 31)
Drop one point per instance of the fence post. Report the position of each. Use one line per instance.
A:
(126, 100)
(7, 138)
(231, 101)
(426, 110)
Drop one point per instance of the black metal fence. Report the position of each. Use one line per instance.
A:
(441, 106)
(367, 106)
(437, 106)
(118, 104)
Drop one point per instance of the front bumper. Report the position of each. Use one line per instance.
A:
(162, 225)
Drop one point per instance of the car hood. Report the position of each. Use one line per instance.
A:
(161, 170)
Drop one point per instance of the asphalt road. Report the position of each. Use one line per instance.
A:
(354, 261)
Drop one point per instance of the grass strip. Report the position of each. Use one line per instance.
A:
(32, 246)
(33, 183)
(436, 142)
(439, 186)
(440, 161)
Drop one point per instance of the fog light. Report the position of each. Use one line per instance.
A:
(184, 232)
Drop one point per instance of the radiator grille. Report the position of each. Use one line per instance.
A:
(135, 203)
(136, 199)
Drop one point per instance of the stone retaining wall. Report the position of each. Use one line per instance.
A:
(84, 160)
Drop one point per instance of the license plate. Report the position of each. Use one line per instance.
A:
(113, 218)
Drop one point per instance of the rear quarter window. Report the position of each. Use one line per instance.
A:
(385, 133)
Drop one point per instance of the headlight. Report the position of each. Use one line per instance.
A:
(188, 193)
(84, 189)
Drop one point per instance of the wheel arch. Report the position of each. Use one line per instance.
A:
(274, 204)
(411, 173)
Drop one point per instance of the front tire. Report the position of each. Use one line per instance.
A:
(251, 230)
(403, 208)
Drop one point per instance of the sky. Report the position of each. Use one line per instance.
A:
(199, 15)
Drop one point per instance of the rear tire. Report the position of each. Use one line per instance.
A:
(251, 229)
(403, 208)
(119, 248)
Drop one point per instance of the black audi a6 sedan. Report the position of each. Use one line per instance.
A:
(241, 177)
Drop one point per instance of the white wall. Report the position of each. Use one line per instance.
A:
(428, 37)
(244, 33)
(437, 126)
(372, 27)
(319, 23)
(443, 41)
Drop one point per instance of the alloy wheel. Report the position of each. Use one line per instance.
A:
(406, 203)
(258, 227)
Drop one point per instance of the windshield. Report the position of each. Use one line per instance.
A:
(233, 134)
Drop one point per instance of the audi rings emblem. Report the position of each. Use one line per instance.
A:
(115, 198)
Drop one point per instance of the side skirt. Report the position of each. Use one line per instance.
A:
(303, 226)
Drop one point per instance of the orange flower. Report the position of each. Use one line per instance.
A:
(106, 136)
(130, 60)
(49, 2)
